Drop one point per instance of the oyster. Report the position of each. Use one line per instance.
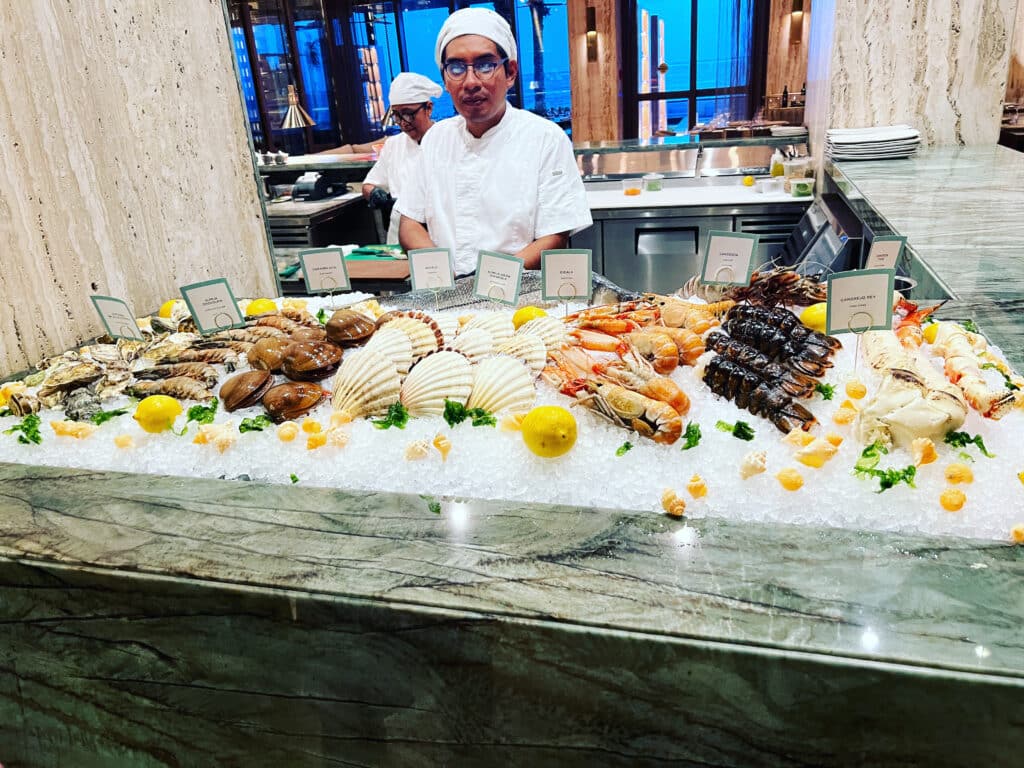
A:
(267, 354)
(498, 324)
(367, 384)
(245, 389)
(82, 404)
(348, 327)
(393, 343)
(550, 329)
(476, 344)
(63, 377)
(291, 400)
(22, 404)
(528, 348)
(502, 383)
(423, 332)
(437, 377)
(310, 360)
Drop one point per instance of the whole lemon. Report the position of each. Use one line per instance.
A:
(524, 315)
(815, 316)
(930, 332)
(167, 308)
(260, 307)
(748, 181)
(157, 413)
(549, 431)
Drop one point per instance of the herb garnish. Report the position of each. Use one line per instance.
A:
(825, 390)
(256, 424)
(623, 449)
(397, 416)
(29, 428)
(321, 316)
(202, 414)
(456, 413)
(5, 412)
(969, 326)
(870, 456)
(432, 504)
(1006, 379)
(887, 478)
(104, 416)
(692, 436)
(293, 476)
(963, 439)
(740, 429)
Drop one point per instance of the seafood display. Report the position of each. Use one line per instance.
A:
(710, 398)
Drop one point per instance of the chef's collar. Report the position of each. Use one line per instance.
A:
(473, 142)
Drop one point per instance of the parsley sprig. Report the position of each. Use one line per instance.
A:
(456, 413)
(29, 429)
(827, 391)
(963, 439)
(740, 429)
(102, 417)
(1006, 379)
(887, 478)
(623, 449)
(691, 436)
(256, 424)
(397, 416)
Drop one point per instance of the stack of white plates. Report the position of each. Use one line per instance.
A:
(882, 142)
(788, 130)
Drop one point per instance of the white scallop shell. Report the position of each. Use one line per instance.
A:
(528, 348)
(420, 333)
(449, 325)
(393, 343)
(550, 329)
(498, 324)
(366, 384)
(501, 383)
(476, 343)
(438, 377)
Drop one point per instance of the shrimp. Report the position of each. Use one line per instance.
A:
(908, 329)
(689, 344)
(648, 417)
(656, 347)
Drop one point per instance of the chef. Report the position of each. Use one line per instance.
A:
(411, 102)
(493, 177)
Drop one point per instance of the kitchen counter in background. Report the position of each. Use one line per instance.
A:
(962, 211)
(691, 193)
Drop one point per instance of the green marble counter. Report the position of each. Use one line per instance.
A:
(165, 622)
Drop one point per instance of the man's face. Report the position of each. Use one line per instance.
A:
(413, 119)
(479, 100)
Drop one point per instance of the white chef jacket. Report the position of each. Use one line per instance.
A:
(516, 183)
(391, 171)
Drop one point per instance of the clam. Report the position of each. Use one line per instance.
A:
(550, 329)
(437, 377)
(291, 400)
(498, 324)
(476, 343)
(394, 344)
(245, 389)
(423, 332)
(309, 334)
(367, 384)
(528, 348)
(267, 354)
(502, 383)
(310, 360)
(348, 327)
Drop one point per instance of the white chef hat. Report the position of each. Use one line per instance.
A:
(410, 88)
(476, 21)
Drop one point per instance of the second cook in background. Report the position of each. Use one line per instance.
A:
(410, 97)
(493, 177)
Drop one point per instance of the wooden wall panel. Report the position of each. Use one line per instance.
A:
(125, 166)
(787, 61)
(1015, 78)
(596, 95)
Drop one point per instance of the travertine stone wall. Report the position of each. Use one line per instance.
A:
(1015, 79)
(124, 165)
(787, 61)
(939, 65)
(596, 98)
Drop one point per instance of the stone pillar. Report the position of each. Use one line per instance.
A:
(125, 167)
(939, 65)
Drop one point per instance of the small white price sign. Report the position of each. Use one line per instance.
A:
(859, 301)
(323, 270)
(431, 269)
(729, 258)
(212, 305)
(498, 277)
(565, 274)
(117, 318)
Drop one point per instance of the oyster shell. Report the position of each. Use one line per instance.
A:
(423, 332)
(394, 344)
(367, 384)
(347, 327)
(476, 344)
(528, 348)
(245, 389)
(310, 360)
(82, 404)
(22, 404)
(498, 324)
(550, 329)
(438, 377)
(291, 400)
(502, 383)
(63, 377)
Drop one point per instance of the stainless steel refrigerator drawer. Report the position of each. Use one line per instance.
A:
(657, 254)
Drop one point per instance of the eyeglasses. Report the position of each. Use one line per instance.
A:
(457, 70)
(406, 118)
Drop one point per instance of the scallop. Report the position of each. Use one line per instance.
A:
(476, 343)
(498, 324)
(502, 383)
(423, 332)
(367, 384)
(550, 329)
(438, 377)
(394, 344)
(528, 348)
(449, 325)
